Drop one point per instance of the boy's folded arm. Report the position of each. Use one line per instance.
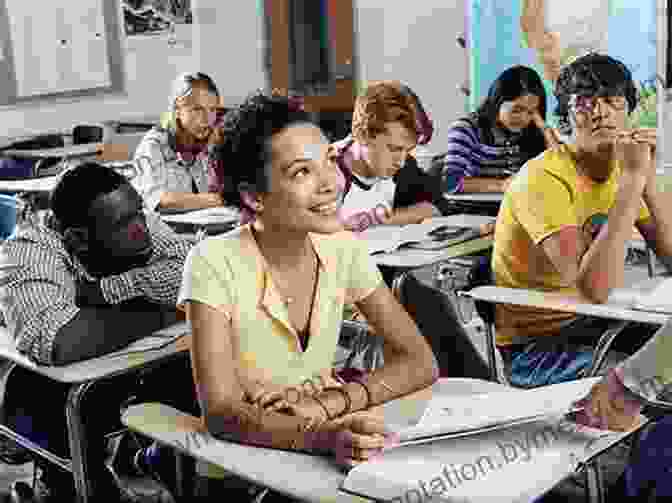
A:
(94, 332)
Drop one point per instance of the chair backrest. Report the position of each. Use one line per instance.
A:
(481, 275)
(39, 142)
(7, 215)
(16, 169)
(87, 133)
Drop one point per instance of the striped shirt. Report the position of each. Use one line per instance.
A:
(473, 151)
(38, 281)
(162, 168)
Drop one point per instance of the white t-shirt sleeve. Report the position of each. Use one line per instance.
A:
(358, 200)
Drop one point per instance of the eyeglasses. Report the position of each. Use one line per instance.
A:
(588, 104)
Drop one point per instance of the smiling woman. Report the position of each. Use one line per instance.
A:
(266, 301)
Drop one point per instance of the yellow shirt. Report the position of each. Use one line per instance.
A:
(546, 195)
(230, 274)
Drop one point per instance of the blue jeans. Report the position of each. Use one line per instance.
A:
(650, 469)
(568, 355)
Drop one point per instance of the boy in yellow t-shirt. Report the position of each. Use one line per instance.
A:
(551, 232)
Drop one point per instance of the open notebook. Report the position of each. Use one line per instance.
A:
(472, 430)
(447, 417)
(432, 234)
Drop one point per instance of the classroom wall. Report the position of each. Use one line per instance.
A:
(151, 63)
(398, 41)
(391, 41)
(415, 42)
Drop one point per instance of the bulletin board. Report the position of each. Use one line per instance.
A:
(42, 56)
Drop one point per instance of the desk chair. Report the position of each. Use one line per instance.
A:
(481, 276)
(438, 315)
(87, 133)
(84, 378)
(27, 168)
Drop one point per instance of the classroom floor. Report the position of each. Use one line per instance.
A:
(569, 491)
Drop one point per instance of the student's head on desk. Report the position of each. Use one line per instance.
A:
(101, 218)
(387, 123)
(282, 166)
(595, 93)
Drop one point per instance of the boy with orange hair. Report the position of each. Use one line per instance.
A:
(388, 122)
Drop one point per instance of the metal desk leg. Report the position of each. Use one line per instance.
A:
(594, 483)
(650, 261)
(78, 440)
(398, 285)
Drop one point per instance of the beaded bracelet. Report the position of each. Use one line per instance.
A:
(346, 398)
(361, 381)
(329, 418)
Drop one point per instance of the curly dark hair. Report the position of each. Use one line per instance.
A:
(244, 149)
(71, 199)
(590, 75)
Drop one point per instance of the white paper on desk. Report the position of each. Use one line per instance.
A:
(158, 340)
(472, 414)
(207, 216)
(473, 221)
(518, 463)
(659, 300)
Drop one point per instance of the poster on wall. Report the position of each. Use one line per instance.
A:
(546, 34)
(150, 17)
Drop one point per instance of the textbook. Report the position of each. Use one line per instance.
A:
(432, 234)
(497, 434)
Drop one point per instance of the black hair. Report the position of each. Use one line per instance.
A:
(245, 146)
(513, 83)
(591, 75)
(71, 199)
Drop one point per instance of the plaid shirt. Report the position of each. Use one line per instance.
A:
(161, 168)
(38, 281)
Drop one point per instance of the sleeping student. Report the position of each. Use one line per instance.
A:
(97, 274)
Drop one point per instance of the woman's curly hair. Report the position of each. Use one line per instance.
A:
(244, 148)
(589, 75)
